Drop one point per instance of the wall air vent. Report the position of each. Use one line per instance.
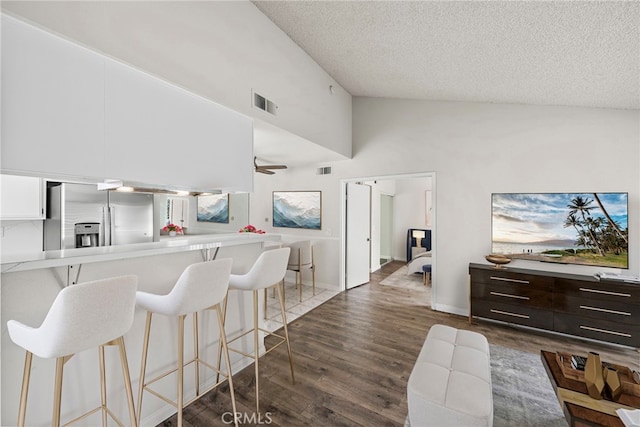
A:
(324, 171)
(264, 104)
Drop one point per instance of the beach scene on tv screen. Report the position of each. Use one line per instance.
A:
(573, 228)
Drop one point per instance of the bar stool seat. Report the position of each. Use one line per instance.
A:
(301, 258)
(269, 269)
(83, 316)
(202, 286)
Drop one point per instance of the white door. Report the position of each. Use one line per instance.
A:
(358, 234)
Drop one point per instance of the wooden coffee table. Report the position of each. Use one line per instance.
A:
(578, 407)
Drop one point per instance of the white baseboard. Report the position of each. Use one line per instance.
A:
(451, 309)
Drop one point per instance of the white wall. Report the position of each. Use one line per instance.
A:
(476, 149)
(326, 242)
(221, 50)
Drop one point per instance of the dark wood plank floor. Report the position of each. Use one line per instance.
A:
(352, 358)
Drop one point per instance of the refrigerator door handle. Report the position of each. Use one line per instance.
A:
(112, 226)
(106, 221)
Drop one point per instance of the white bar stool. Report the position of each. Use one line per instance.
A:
(201, 286)
(269, 269)
(301, 258)
(83, 316)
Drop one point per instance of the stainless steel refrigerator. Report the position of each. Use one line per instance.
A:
(80, 215)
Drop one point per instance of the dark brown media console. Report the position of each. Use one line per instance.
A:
(572, 304)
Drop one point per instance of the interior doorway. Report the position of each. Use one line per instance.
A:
(413, 199)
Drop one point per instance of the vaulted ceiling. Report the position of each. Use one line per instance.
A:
(573, 53)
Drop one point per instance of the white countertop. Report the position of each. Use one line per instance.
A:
(46, 259)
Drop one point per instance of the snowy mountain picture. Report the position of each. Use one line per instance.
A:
(297, 209)
(214, 208)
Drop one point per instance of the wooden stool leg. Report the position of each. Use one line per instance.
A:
(127, 381)
(180, 367)
(196, 353)
(286, 333)
(223, 344)
(256, 347)
(265, 303)
(103, 386)
(25, 388)
(143, 363)
(57, 394)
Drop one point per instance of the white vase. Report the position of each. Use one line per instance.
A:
(172, 233)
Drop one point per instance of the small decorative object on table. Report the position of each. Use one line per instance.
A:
(172, 229)
(251, 229)
(594, 376)
(498, 259)
(613, 386)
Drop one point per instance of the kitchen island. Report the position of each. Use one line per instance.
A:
(30, 283)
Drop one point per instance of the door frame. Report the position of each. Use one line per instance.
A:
(434, 234)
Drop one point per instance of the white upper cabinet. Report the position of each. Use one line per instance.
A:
(70, 111)
(159, 133)
(52, 103)
(21, 197)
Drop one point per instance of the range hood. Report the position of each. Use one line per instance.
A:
(131, 186)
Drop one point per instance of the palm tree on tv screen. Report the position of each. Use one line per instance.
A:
(580, 205)
(612, 222)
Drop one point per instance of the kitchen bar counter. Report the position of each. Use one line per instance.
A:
(66, 257)
(30, 284)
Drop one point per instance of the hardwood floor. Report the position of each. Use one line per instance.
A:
(353, 356)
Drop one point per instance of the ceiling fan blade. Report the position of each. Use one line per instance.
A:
(266, 168)
(264, 171)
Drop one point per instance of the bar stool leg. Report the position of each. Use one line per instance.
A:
(196, 352)
(25, 388)
(265, 303)
(286, 332)
(143, 363)
(180, 367)
(256, 347)
(127, 380)
(103, 386)
(227, 359)
(57, 395)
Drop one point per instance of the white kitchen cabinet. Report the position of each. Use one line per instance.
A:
(159, 133)
(21, 198)
(52, 103)
(69, 111)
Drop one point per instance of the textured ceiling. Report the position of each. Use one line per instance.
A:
(547, 53)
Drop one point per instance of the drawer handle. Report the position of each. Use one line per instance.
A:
(604, 331)
(506, 313)
(505, 279)
(598, 291)
(605, 310)
(500, 294)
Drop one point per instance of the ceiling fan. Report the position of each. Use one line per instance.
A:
(266, 169)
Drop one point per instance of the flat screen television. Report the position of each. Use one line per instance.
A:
(569, 228)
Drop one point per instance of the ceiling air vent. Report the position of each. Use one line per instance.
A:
(324, 171)
(264, 104)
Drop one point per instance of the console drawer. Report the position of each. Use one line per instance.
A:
(603, 330)
(621, 292)
(506, 277)
(517, 294)
(519, 314)
(605, 309)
